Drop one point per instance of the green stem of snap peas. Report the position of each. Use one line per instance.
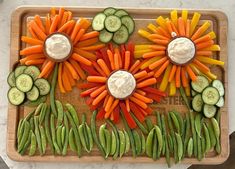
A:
(191, 115)
(137, 142)
(81, 133)
(53, 134)
(37, 133)
(94, 135)
(73, 113)
(190, 147)
(63, 135)
(58, 136)
(179, 145)
(127, 138)
(207, 137)
(175, 122)
(108, 142)
(52, 91)
(77, 139)
(198, 124)
(113, 144)
(159, 139)
(65, 146)
(143, 143)
(43, 139)
(102, 136)
(203, 143)
(211, 133)
(216, 130)
(140, 125)
(38, 109)
(116, 153)
(155, 146)
(71, 141)
(122, 142)
(33, 144)
(130, 135)
(159, 123)
(90, 139)
(149, 143)
(199, 148)
(47, 130)
(182, 93)
(149, 123)
(60, 111)
(31, 122)
(181, 122)
(42, 113)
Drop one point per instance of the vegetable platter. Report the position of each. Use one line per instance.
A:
(170, 127)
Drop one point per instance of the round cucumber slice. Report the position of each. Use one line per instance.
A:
(129, 23)
(11, 79)
(197, 103)
(109, 11)
(209, 110)
(200, 84)
(24, 82)
(98, 22)
(219, 86)
(33, 94)
(19, 70)
(15, 96)
(105, 36)
(210, 95)
(112, 23)
(121, 36)
(43, 86)
(33, 71)
(120, 13)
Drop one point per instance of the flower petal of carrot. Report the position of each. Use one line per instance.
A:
(154, 91)
(96, 79)
(78, 69)
(85, 54)
(161, 69)
(103, 66)
(54, 24)
(172, 73)
(127, 101)
(115, 103)
(137, 111)
(127, 60)
(147, 82)
(81, 59)
(153, 54)
(37, 30)
(142, 98)
(136, 64)
(88, 92)
(69, 75)
(66, 26)
(204, 53)
(99, 98)
(62, 90)
(90, 35)
(109, 103)
(71, 70)
(46, 68)
(32, 50)
(87, 42)
(98, 91)
(157, 63)
(78, 36)
(202, 67)
(140, 74)
(34, 62)
(31, 41)
(181, 27)
(77, 27)
(63, 20)
(191, 73)
(177, 77)
(98, 68)
(93, 47)
(138, 102)
(38, 20)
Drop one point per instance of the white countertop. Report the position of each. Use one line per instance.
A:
(7, 6)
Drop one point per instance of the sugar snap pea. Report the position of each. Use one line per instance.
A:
(108, 142)
(149, 123)
(81, 130)
(127, 141)
(199, 148)
(38, 109)
(37, 134)
(159, 123)
(73, 113)
(186, 100)
(31, 122)
(40, 100)
(170, 142)
(181, 122)
(26, 145)
(62, 135)
(175, 122)
(122, 142)
(211, 133)
(175, 146)
(60, 111)
(207, 137)
(102, 136)
(20, 130)
(140, 125)
(113, 144)
(198, 124)
(190, 147)
(47, 130)
(85, 132)
(187, 132)
(90, 139)
(29, 115)
(53, 134)
(71, 141)
(143, 143)
(159, 139)
(191, 115)
(58, 136)
(65, 146)
(52, 91)
(42, 113)
(155, 147)
(216, 130)
(203, 143)
(33, 144)
(179, 145)
(149, 143)
(43, 139)
(217, 146)
(137, 142)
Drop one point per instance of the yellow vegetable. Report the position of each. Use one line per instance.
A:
(210, 60)
(139, 53)
(174, 17)
(185, 15)
(164, 82)
(213, 48)
(187, 91)
(144, 33)
(150, 61)
(141, 47)
(212, 34)
(161, 21)
(152, 28)
(194, 22)
(211, 75)
(172, 88)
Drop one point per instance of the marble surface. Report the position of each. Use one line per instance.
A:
(7, 6)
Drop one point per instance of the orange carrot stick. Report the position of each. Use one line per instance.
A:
(31, 41)
(191, 73)
(160, 42)
(32, 57)
(109, 103)
(142, 98)
(187, 31)
(34, 62)
(127, 101)
(177, 77)
(32, 50)
(54, 24)
(97, 91)
(53, 11)
(103, 66)
(168, 25)
(33, 34)
(97, 79)
(70, 16)
(63, 19)
(116, 62)
(157, 47)
(163, 32)
(204, 44)
(66, 26)
(157, 36)
(140, 74)
(172, 73)
(202, 39)
(38, 20)
(86, 24)
(99, 98)
(81, 59)
(77, 27)
(150, 74)
(85, 54)
(111, 58)
(37, 30)
(61, 13)
(181, 26)
(147, 82)
(184, 77)
(78, 36)
(62, 90)
(174, 28)
(157, 63)
(204, 53)
(152, 54)
(105, 101)
(90, 35)
(78, 69)
(98, 68)
(161, 69)
(46, 68)
(115, 103)
(138, 102)
(71, 70)
(69, 75)
(44, 64)
(136, 64)
(65, 81)
(202, 67)
(127, 60)
(87, 42)
(48, 24)
(93, 47)
(116, 50)
(140, 92)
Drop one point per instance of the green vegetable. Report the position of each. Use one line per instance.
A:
(58, 136)
(60, 111)
(47, 130)
(81, 130)
(71, 141)
(37, 133)
(33, 144)
(66, 125)
(198, 124)
(52, 91)
(149, 143)
(179, 145)
(199, 148)
(159, 139)
(108, 142)
(140, 125)
(43, 139)
(190, 147)
(127, 138)
(175, 122)
(137, 142)
(207, 137)
(42, 113)
(122, 142)
(53, 134)
(113, 144)
(149, 123)
(143, 143)
(102, 136)
(73, 113)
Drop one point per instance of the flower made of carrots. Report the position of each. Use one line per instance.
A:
(181, 50)
(116, 82)
(60, 39)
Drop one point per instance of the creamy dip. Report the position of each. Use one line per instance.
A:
(58, 46)
(121, 84)
(181, 50)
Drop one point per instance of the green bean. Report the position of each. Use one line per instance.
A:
(187, 132)
(115, 155)
(149, 123)
(63, 135)
(191, 115)
(102, 136)
(203, 143)
(170, 141)
(71, 141)
(33, 144)
(130, 135)
(53, 134)
(58, 136)
(181, 122)
(198, 124)
(82, 136)
(140, 125)
(66, 125)
(175, 122)
(207, 138)
(37, 134)
(108, 142)
(159, 123)
(199, 148)
(47, 130)
(52, 91)
(42, 113)
(113, 144)
(182, 93)
(90, 139)
(155, 147)
(122, 142)
(149, 143)
(73, 113)
(127, 138)
(159, 139)
(179, 145)
(137, 142)
(38, 109)
(163, 141)
(212, 134)
(31, 122)
(143, 144)
(60, 111)
(77, 139)
(43, 139)
(20, 130)
(190, 147)
(94, 135)
(218, 147)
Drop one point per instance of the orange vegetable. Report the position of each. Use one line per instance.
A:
(32, 57)
(140, 74)
(33, 34)
(147, 82)
(38, 20)
(98, 91)
(127, 60)
(78, 69)
(191, 73)
(62, 90)
(63, 19)
(142, 98)
(111, 58)
(34, 62)
(103, 66)
(160, 42)
(152, 54)
(85, 54)
(172, 73)
(72, 82)
(65, 81)
(71, 70)
(204, 44)
(157, 36)
(48, 24)
(100, 97)
(138, 102)
(90, 35)
(115, 103)
(161, 69)
(202, 39)
(109, 103)
(79, 35)
(31, 41)
(127, 101)
(157, 47)
(187, 31)
(140, 92)
(157, 63)
(177, 77)
(98, 68)
(204, 53)
(46, 68)
(150, 74)
(116, 62)
(86, 24)
(97, 79)
(81, 59)
(136, 64)
(54, 24)
(163, 32)
(185, 81)
(32, 50)
(87, 42)
(53, 11)
(77, 27)
(202, 67)
(66, 26)
(37, 30)
(181, 26)
(93, 47)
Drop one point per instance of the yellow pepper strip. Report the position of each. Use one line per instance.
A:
(161, 21)
(150, 61)
(172, 88)
(212, 34)
(139, 53)
(152, 28)
(185, 15)
(141, 47)
(164, 82)
(187, 91)
(194, 22)
(174, 17)
(210, 60)
(211, 75)
(202, 29)
(195, 70)
(213, 48)
(144, 33)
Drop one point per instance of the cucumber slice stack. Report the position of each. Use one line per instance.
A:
(207, 97)
(25, 85)
(113, 24)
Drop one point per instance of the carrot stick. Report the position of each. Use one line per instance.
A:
(32, 50)
(87, 85)
(90, 35)
(127, 60)
(78, 69)
(46, 68)
(31, 41)
(136, 64)
(116, 50)
(48, 73)
(66, 26)
(32, 57)
(147, 82)
(88, 92)
(157, 63)
(33, 34)
(184, 77)
(93, 47)
(37, 30)
(34, 62)
(77, 27)
(187, 31)
(87, 42)
(103, 66)
(62, 90)
(152, 54)
(201, 30)
(127, 101)
(99, 98)
(116, 62)
(98, 68)
(69, 75)
(98, 91)
(140, 74)
(105, 101)
(172, 73)
(204, 44)
(111, 58)
(142, 98)
(161, 69)
(137, 68)
(204, 53)
(85, 54)
(138, 102)
(202, 67)
(53, 11)
(54, 24)
(150, 74)
(191, 73)
(177, 77)
(157, 36)
(140, 92)
(48, 24)
(63, 19)
(202, 39)
(181, 26)
(163, 32)
(109, 103)
(160, 42)
(174, 28)
(81, 59)
(157, 47)
(114, 105)
(78, 36)
(71, 70)
(38, 21)
(61, 13)
(86, 24)
(96, 79)
(65, 81)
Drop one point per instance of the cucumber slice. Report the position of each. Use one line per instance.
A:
(121, 12)
(129, 23)
(24, 82)
(43, 86)
(210, 95)
(19, 70)
(98, 22)
(33, 94)
(197, 103)
(219, 86)
(200, 84)
(209, 110)
(193, 93)
(121, 36)
(220, 103)
(15, 96)
(11, 79)
(112, 23)
(109, 11)
(105, 36)
(33, 71)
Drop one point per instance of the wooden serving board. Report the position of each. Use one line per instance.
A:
(142, 17)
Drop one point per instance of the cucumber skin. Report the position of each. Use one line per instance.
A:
(122, 42)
